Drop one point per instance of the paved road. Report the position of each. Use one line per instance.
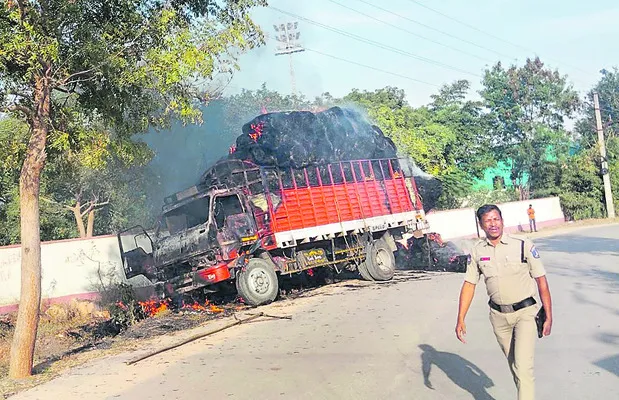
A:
(376, 342)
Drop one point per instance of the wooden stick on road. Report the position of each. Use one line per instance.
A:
(276, 316)
(199, 336)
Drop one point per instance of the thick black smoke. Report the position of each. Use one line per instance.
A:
(299, 139)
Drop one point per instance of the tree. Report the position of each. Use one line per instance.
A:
(94, 177)
(466, 118)
(526, 103)
(582, 193)
(608, 93)
(125, 64)
(13, 141)
(448, 138)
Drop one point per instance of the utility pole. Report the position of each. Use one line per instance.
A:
(608, 193)
(287, 35)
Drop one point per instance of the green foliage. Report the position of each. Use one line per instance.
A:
(114, 69)
(457, 186)
(448, 138)
(490, 196)
(608, 91)
(581, 187)
(127, 63)
(528, 107)
(470, 125)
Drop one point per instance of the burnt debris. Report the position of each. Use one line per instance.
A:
(297, 139)
(430, 253)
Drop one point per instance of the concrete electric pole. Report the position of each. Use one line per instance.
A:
(608, 193)
(287, 35)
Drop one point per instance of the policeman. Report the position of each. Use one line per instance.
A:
(511, 267)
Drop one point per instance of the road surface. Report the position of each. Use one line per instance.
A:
(358, 340)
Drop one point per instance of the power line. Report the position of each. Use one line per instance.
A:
(370, 67)
(436, 30)
(489, 34)
(410, 32)
(374, 43)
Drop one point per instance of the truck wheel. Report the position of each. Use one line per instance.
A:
(363, 270)
(257, 284)
(380, 260)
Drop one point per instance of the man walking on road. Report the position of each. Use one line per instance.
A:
(511, 266)
(531, 213)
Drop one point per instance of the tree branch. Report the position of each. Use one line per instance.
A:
(89, 209)
(54, 202)
(76, 81)
(93, 206)
(20, 108)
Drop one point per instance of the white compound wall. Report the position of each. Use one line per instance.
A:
(75, 268)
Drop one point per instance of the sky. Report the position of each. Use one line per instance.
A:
(428, 49)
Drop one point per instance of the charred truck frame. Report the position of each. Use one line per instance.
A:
(248, 224)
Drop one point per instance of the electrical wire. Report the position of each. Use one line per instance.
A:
(437, 30)
(491, 35)
(372, 68)
(411, 32)
(374, 43)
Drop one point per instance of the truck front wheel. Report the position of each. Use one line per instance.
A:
(380, 261)
(257, 284)
(363, 268)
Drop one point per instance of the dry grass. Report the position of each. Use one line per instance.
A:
(69, 339)
(63, 330)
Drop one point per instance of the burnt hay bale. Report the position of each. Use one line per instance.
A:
(298, 139)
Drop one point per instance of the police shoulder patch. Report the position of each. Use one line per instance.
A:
(534, 252)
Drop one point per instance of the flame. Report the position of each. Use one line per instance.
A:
(154, 307)
(215, 309)
(203, 307)
(256, 131)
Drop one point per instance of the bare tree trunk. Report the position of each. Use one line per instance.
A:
(78, 219)
(91, 223)
(22, 349)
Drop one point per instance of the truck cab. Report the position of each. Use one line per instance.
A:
(199, 233)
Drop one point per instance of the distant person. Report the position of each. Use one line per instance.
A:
(511, 266)
(531, 213)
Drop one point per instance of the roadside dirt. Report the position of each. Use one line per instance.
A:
(67, 339)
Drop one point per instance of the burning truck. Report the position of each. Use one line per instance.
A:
(299, 192)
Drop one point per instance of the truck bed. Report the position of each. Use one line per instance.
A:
(313, 209)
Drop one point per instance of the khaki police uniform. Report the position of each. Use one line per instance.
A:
(508, 270)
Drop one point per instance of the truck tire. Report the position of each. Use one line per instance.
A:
(380, 260)
(257, 284)
(363, 270)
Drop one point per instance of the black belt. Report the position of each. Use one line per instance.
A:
(509, 308)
